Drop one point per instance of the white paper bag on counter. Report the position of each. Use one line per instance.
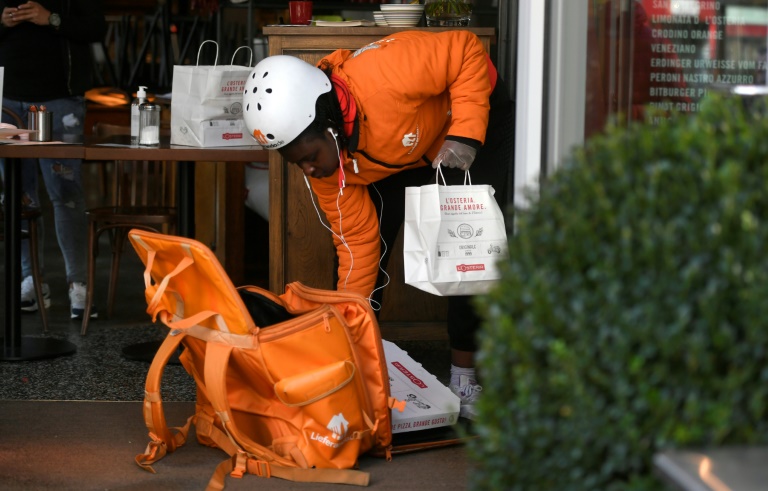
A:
(207, 104)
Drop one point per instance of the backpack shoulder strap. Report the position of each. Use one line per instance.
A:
(163, 439)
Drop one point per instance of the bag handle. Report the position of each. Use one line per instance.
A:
(216, 60)
(250, 58)
(439, 175)
(155, 306)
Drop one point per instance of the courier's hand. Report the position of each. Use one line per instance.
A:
(455, 154)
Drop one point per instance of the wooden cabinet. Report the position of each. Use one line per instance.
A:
(300, 248)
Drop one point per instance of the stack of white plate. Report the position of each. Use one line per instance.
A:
(402, 14)
(378, 17)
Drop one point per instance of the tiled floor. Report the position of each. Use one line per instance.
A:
(98, 370)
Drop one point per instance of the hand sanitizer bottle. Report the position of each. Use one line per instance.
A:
(141, 98)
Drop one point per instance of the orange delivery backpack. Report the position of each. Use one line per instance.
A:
(293, 386)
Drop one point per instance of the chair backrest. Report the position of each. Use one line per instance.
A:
(104, 130)
(145, 183)
(15, 118)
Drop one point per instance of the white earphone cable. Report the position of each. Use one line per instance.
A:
(342, 183)
(373, 303)
(340, 237)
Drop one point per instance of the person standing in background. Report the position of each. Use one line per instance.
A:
(45, 48)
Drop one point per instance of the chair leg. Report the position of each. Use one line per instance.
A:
(35, 259)
(117, 252)
(103, 179)
(92, 253)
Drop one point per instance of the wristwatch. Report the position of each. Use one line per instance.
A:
(54, 20)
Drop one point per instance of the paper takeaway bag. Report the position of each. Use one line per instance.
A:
(207, 104)
(454, 236)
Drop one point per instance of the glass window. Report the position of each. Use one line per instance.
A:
(668, 54)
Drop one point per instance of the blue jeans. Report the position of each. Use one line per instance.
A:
(63, 182)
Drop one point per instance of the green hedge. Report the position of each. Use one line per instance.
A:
(633, 312)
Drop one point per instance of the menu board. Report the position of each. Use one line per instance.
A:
(694, 46)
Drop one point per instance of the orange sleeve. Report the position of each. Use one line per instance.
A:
(352, 217)
(470, 91)
(455, 61)
(417, 66)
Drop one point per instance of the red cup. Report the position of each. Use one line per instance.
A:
(301, 12)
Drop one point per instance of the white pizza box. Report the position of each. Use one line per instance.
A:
(230, 132)
(429, 403)
(223, 132)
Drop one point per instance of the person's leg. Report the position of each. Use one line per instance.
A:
(63, 182)
(463, 324)
(462, 320)
(491, 166)
(388, 196)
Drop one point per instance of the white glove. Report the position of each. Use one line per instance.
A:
(455, 154)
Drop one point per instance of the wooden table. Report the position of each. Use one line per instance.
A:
(18, 348)
(118, 148)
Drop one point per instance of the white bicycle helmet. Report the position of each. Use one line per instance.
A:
(279, 99)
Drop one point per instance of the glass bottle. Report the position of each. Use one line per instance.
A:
(141, 98)
(149, 124)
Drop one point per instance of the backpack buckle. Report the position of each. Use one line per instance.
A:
(240, 465)
(259, 468)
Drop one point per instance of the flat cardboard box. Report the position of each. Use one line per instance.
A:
(429, 403)
(229, 132)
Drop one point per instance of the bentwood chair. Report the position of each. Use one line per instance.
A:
(30, 216)
(142, 197)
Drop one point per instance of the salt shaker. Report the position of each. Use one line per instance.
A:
(149, 124)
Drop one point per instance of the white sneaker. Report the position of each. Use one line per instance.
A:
(77, 302)
(468, 391)
(28, 297)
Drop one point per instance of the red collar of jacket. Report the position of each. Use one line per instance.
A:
(347, 103)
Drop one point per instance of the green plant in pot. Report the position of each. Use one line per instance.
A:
(632, 316)
(447, 13)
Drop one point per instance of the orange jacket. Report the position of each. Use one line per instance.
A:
(412, 89)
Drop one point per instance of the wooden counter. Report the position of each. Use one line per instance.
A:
(300, 40)
(300, 248)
